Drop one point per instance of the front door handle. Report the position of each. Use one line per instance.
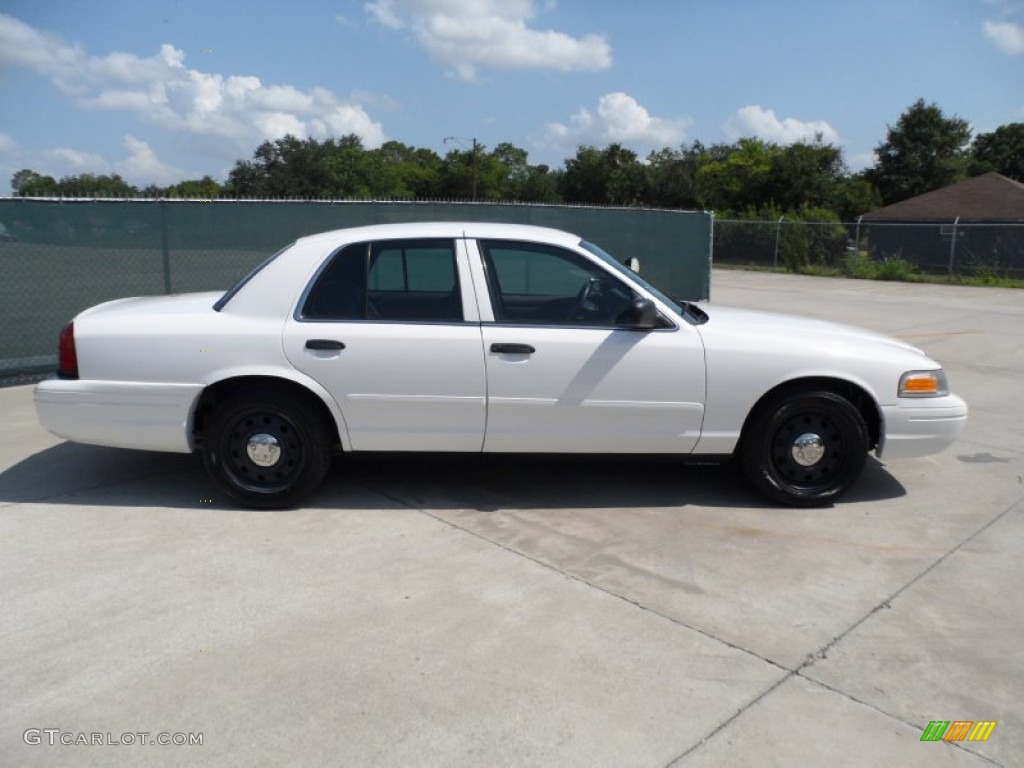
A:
(324, 344)
(513, 349)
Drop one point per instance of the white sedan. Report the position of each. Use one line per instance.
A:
(470, 337)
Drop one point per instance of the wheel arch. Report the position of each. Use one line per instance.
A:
(857, 395)
(221, 390)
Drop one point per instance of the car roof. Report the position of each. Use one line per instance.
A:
(473, 229)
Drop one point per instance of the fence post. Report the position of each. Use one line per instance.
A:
(778, 230)
(952, 247)
(711, 254)
(162, 205)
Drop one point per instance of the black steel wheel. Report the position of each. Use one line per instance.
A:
(805, 449)
(266, 449)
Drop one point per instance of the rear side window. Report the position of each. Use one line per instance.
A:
(390, 280)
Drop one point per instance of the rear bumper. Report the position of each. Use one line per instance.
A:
(921, 427)
(153, 417)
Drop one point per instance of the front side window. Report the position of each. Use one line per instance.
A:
(397, 280)
(537, 284)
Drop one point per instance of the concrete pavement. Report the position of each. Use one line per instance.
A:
(518, 611)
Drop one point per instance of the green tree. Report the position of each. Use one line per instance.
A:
(735, 178)
(1001, 151)
(804, 175)
(205, 188)
(28, 183)
(521, 181)
(341, 168)
(415, 172)
(93, 185)
(673, 176)
(472, 174)
(302, 168)
(609, 176)
(515, 162)
(924, 151)
(855, 196)
(540, 186)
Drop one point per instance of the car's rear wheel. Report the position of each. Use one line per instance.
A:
(805, 449)
(266, 449)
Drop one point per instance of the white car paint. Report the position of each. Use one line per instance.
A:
(749, 353)
(592, 391)
(684, 388)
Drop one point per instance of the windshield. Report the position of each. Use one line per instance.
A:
(223, 300)
(623, 269)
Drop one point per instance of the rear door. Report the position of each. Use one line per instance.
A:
(565, 373)
(390, 329)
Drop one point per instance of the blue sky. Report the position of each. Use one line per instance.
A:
(163, 91)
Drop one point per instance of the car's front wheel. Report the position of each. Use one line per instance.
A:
(266, 449)
(805, 449)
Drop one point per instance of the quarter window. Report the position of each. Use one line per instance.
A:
(535, 284)
(397, 280)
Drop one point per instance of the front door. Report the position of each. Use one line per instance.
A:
(565, 373)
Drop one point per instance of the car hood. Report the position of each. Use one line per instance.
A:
(774, 328)
(151, 306)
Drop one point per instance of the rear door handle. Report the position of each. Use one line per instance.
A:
(324, 344)
(513, 349)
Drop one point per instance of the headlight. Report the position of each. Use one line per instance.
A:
(923, 384)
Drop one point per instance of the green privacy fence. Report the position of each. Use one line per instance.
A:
(58, 257)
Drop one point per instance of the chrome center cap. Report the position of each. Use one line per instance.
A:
(264, 450)
(808, 449)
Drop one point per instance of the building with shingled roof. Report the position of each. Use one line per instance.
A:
(973, 224)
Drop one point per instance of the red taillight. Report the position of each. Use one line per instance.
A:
(67, 358)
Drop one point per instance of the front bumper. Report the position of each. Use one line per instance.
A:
(921, 426)
(119, 414)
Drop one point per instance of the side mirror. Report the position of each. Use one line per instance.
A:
(632, 264)
(642, 315)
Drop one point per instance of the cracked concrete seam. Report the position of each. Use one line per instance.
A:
(788, 674)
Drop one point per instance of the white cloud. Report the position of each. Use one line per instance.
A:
(384, 13)
(140, 165)
(763, 124)
(143, 167)
(74, 161)
(468, 35)
(163, 90)
(1007, 36)
(618, 118)
(860, 161)
(7, 144)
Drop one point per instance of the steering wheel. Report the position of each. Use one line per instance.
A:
(582, 296)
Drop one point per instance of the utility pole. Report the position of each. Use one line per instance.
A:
(461, 140)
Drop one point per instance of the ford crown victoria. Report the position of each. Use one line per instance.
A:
(472, 337)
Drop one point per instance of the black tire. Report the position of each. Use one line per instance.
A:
(825, 469)
(298, 448)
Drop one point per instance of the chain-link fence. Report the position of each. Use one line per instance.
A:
(58, 257)
(954, 249)
(779, 243)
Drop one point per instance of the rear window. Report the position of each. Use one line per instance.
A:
(388, 280)
(223, 300)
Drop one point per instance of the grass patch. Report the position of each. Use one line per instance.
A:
(895, 269)
(860, 267)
